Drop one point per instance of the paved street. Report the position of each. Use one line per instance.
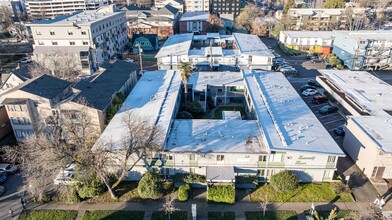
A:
(11, 197)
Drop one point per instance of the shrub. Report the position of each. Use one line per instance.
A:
(183, 192)
(284, 181)
(150, 186)
(221, 194)
(194, 108)
(189, 178)
(117, 101)
(69, 197)
(184, 115)
(90, 189)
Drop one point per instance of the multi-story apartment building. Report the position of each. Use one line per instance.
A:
(90, 37)
(161, 21)
(228, 9)
(215, 52)
(16, 7)
(194, 22)
(367, 101)
(315, 19)
(197, 5)
(280, 133)
(308, 41)
(38, 102)
(360, 50)
(38, 9)
(179, 4)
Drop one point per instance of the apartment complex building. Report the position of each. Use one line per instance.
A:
(308, 41)
(315, 19)
(144, 20)
(361, 50)
(89, 37)
(39, 102)
(194, 22)
(215, 52)
(40, 9)
(179, 4)
(280, 133)
(197, 5)
(367, 101)
(227, 9)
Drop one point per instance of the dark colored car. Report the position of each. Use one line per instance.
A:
(317, 60)
(328, 109)
(313, 82)
(305, 87)
(318, 99)
(339, 131)
(3, 177)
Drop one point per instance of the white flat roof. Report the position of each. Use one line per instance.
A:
(252, 45)
(195, 16)
(366, 35)
(231, 115)
(176, 45)
(313, 11)
(379, 129)
(286, 121)
(368, 91)
(216, 136)
(325, 35)
(153, 99)
(199, 80)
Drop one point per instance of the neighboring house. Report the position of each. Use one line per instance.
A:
(215, 52)
(161, 21)
(39, 9)
(367, 101)
(16, 7)
(179, 4)
(362, 50)
(89, 38)
(229, 9)
(14, 78)
(37, 102)
(320, 42)
(197, 5)
(316, 19)
(281, 133)
(147, 42)
(194, 22)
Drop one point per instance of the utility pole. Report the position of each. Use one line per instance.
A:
(212, 65)
(140, 58)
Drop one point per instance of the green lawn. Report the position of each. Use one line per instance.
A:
(174, 216)
(221, 216)
(278, 215)
(307, 192)
(49, 215)
(218, 112)
(114, 215)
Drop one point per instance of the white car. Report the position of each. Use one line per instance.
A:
(25, 60)
(309, 92)
(64, 179)
(129, 60)
(8, 168)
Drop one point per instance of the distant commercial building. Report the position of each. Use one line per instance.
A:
(228, 9)
(280, 133)
(368, 134)
(194, 22)
(197, 5)
(315, 19)
(215, 52)
(90, 37)
(308, 41)
(16, 7)
(40, 101)
(361, 50)
(40, 9)
(179, 4)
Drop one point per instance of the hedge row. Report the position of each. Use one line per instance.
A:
(221, 194)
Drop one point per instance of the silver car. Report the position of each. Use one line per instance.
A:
(8, 168)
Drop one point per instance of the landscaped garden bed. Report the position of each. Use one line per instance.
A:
(113, 215)
(221, 194)
(48, 215)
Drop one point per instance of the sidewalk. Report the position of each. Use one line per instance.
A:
(203, 208)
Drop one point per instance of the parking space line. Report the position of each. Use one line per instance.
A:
(324, 116)
(333, 121)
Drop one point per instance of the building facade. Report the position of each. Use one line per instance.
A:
(197, 5)
(320, 42)
(312, 19)
(179, 4)
(215, 52)
(229, 9)
(86, 38)
(362, 50)
(194, 22)
(39, 9)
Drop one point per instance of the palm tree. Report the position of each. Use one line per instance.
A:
(186, 71)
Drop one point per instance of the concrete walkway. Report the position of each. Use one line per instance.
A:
(203, 208)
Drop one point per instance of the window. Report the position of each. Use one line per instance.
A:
(54, 42)
(85, 42)
(192, 157)
(70, 33)
(41, 43)
(72, 43)
(84, 32)
(220, 157)
(191, 170)
(263, 158)
(14, 121)
(169, 157)
(38, 32)
(52, 33)
(331, 159)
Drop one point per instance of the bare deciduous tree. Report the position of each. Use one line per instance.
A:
(143, 2)
(214, 23)
(168, 207)
(5, 17)
(250, 12)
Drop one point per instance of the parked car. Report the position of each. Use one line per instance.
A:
(25, 60)
(318, 99)
(339, 131)
(328, 109)
(317, 60)
(309, 92)
(288, 71)
(2, 190)
(313, 82)
(305, 87)
(70, 168)
(8, 168)
(64, 179)
(3, 177)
